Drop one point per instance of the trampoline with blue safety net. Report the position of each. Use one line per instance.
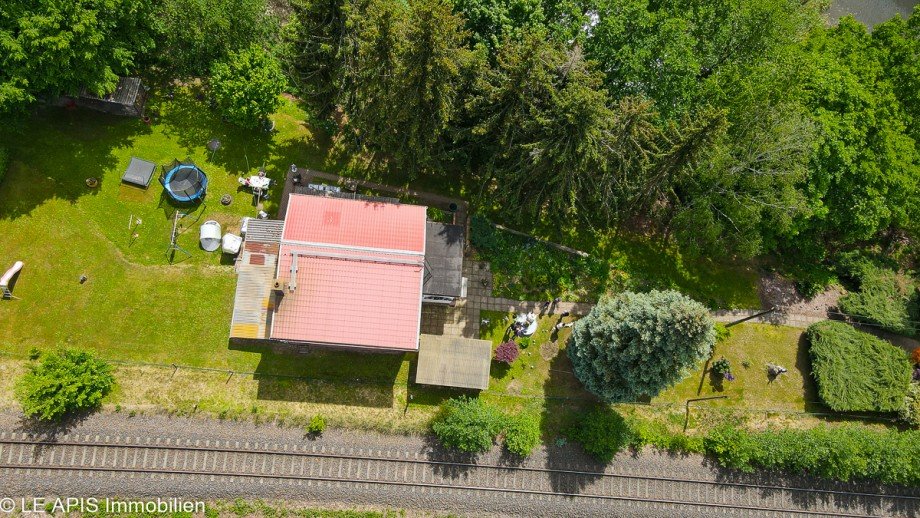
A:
(185, 182)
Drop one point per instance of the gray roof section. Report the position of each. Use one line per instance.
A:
(264, 230)
(444, 259)
(453, 361)
(125, 92)
(139, 172)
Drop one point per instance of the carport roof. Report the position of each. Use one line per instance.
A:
(453, 361)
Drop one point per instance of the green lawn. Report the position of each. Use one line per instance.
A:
(756, 344)
(135, 305)
(527, 269)
(541, 379)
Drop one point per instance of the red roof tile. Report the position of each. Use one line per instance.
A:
(358, 223)
(359, 280)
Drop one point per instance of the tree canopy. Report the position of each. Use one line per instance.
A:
(49, 48)
(247, 86)
(193, 34)
(717, 124)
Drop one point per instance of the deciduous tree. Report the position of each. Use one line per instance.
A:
(49, 47)
(193, 34)
(63, 382)
(247, 86)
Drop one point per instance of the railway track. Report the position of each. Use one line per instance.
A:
(298, 464)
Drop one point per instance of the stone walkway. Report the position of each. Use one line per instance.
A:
(777, 318)
(465, 318)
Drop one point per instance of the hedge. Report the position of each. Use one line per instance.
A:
(855, 371)
(850, 452)
(885, 298)
(841, 453)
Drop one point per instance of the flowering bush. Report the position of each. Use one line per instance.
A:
(722, 368)
(915, 356)
(507, 352)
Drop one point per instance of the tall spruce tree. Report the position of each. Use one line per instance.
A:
(375, 43)
(313, 51)
(431, 65)
(543, 116)
(637, 344)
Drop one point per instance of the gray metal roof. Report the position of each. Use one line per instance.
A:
(125, 92)
(139, 172)
(444, 259)
(453, 361)
(264, 230)
(253, 302)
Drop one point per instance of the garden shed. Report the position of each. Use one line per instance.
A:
(127, 99)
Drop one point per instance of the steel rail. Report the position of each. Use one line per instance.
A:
(306, 454)
(551, 471)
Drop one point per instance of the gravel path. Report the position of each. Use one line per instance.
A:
(32, 483)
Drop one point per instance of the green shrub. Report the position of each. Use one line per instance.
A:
(721, 366)
(856, 371)
(656, 434)
(65, 381)
(522, 434)
(885, 298)
(317, 425)
(637, 344)
(467, 424)
(841, 453)
(524, 268)
(733, 447)
(910, 410)
(722, 333)
(603, 433)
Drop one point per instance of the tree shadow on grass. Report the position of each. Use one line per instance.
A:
(193, 123)
(565, 402)
(56, 150)
(810, 388)
(304, 374)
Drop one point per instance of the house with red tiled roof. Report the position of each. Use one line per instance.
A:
(345, 272)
